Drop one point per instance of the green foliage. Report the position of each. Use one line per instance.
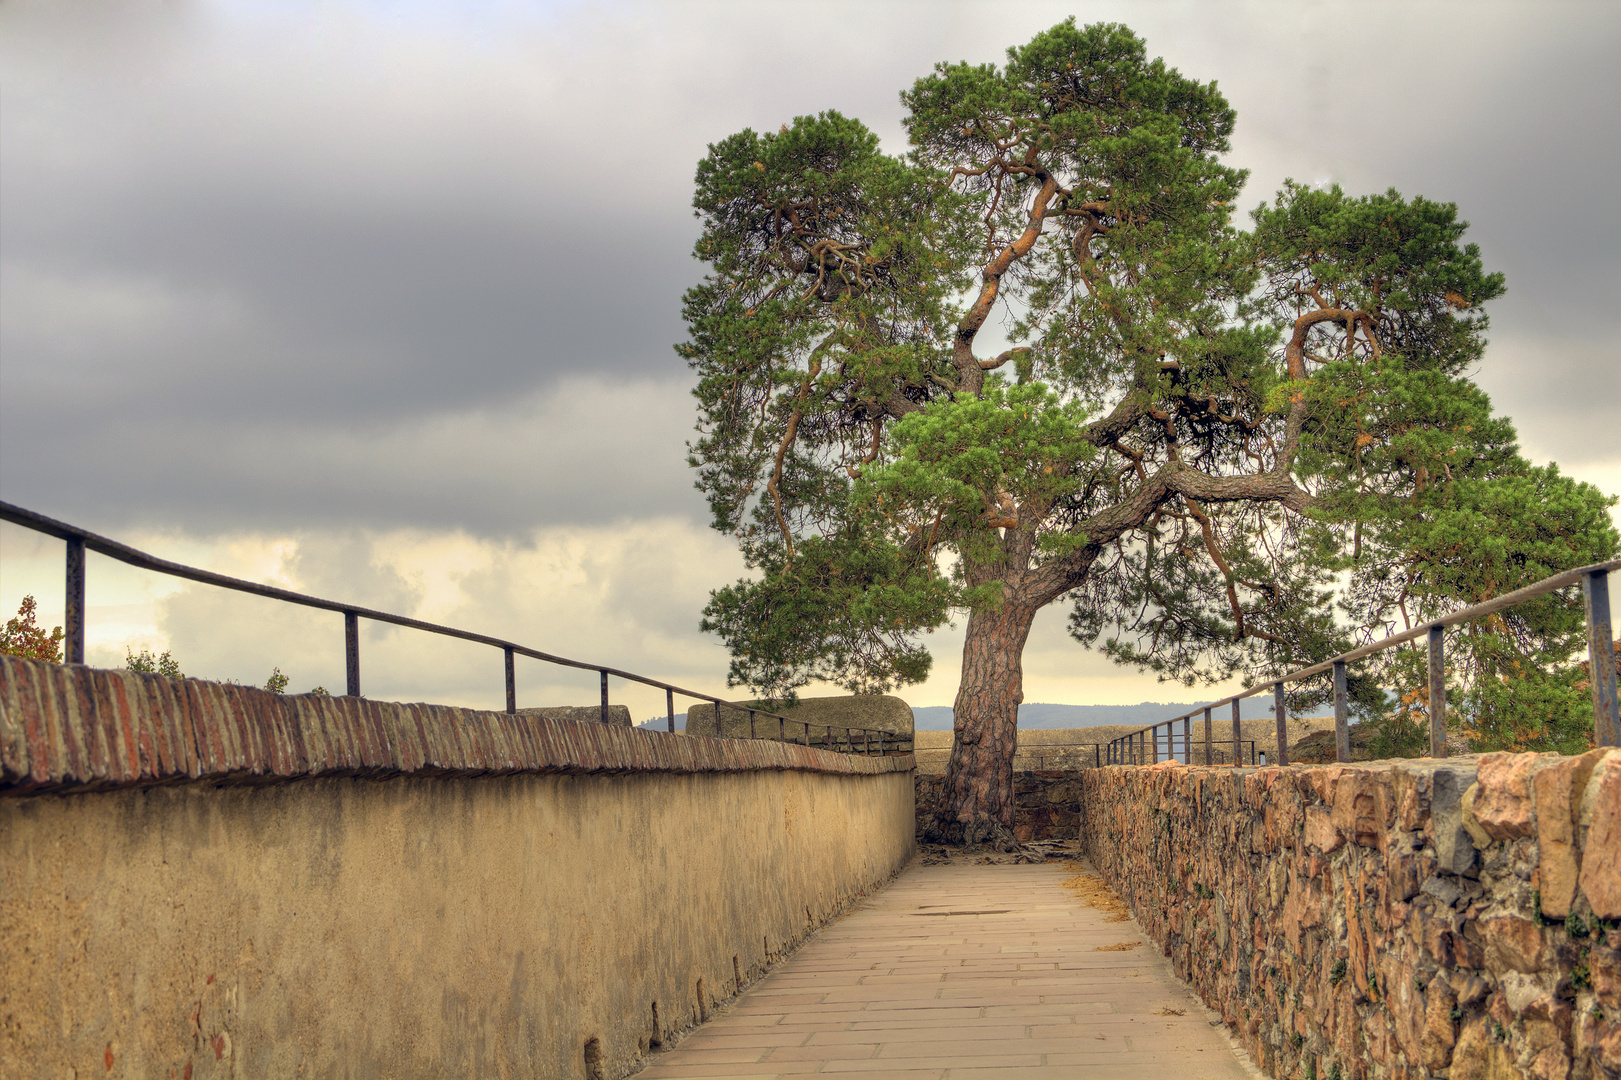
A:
(958, 463)
(842, 609)
(22, 637)
(164, 664)
(147, 664)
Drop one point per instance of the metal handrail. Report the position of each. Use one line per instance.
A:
(81, 540)
(1142, 745)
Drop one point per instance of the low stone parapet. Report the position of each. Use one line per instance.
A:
(1457, 918)
(1046, 803)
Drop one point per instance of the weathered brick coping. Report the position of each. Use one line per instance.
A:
(77, 729)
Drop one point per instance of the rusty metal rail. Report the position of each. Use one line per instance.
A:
(1142, 746)
(855, 739)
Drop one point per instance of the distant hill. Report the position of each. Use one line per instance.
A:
(1040, 715)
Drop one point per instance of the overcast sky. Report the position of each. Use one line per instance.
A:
(378, 300)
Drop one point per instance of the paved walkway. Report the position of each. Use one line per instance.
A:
(968, 972)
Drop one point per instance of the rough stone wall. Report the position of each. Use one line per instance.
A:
(1047, 804)
(206, 881)
(1456, 919)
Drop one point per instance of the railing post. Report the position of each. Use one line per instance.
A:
(1238, 736)
(669, 708)
(351, 651)
(1281, 713)
(1342, 727)
(1601, 658)
(73, 614)
(605, 704)
(1187, 740)
(1153, 753)
(751, 723)
(512, 684)
(782, 731)
(1209, 747)
(1438, 693)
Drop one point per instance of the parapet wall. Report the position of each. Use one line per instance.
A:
(1046, 804)
(1459, 918)
(203, 880)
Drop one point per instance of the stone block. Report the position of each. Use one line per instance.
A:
(1440, 1031)
(1559, 790)
(1552, 1064)
(1511, 944)
(1600, 877)
(1605, 972)
(1362, 804)
(1504, 805)
(1477, 835)
(1454, 850)
(1320, 831)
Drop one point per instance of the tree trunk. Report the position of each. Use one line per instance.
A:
(976, 803)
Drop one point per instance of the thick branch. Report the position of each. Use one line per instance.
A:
(773, 485)
(971, 376)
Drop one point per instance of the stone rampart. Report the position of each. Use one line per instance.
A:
(1413, 919)
(201, 880)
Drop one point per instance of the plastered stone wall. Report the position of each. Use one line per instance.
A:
(1456, 919)
(205, 881)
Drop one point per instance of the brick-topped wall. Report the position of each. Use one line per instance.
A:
(76, 728)
(207, 881)
(1413, 919)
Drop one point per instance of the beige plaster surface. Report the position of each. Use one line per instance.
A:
(345, 927)
(987, 972)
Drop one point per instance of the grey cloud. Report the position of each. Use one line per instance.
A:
(329, 267)
(581, 451)
(563, 591)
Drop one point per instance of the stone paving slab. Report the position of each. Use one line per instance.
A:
(966, 972)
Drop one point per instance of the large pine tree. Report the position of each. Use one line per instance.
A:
(1203, 432)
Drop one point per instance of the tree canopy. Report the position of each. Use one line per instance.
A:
(22, 636)
(1204, 435)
